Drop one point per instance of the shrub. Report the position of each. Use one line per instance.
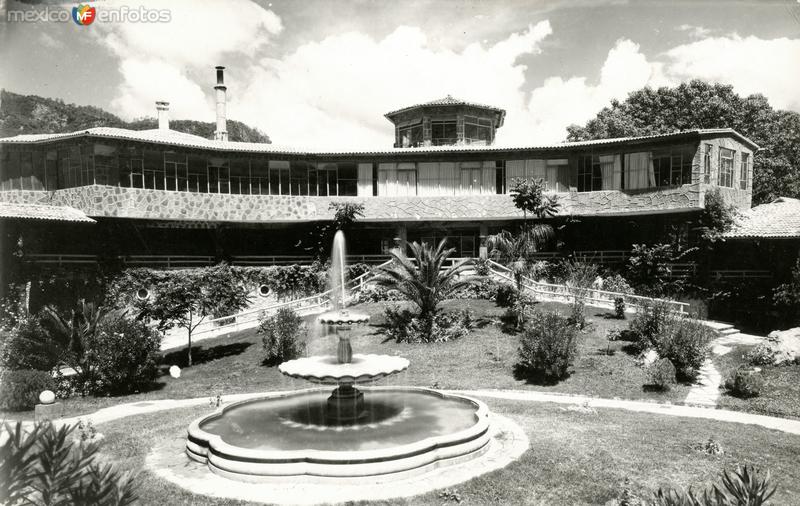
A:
(506, 295)
(480, 288)
(661, 374)
(619, 307)
(761, 354)
(45, 465)
(616, 283)
(520, 310)
(648, 322)
(28, 345)
(19, 390)
(577, 313)
(579, 274)
(481, 266)
(685, 342)
(404, 326)
(281, 336)
(745, 486)
(745, 383)
(375, 293)
(126, 354)
(549, 346)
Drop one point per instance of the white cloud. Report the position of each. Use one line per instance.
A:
(334, 92)
(698, 32)
(750, 64)
(560, 102)
(163, 60)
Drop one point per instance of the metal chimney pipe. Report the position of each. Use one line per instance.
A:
(221, 133)
(163, 115)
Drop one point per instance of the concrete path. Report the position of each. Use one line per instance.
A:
(705, 392)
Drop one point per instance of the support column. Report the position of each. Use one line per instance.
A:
(400, 237)
(483, 233)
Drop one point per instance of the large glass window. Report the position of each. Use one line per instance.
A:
(477, 130)
(299, 178)
(443, 132)
(470, 178)
(744, 170)
(590, 175)
(198, 174)
(672, 167)
(106, 164)
(279, 177)
(176, 169)
(131, 167)
(154, 176)
(219, 176)
(411, 136)
(347, 179)
(259, 176)
(707, 163)
(726, 157)
(326, 179)
(240, 176)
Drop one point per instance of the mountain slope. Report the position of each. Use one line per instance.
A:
(32, 114)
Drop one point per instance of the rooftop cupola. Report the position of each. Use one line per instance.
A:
(443, 122)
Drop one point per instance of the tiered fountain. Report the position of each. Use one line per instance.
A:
(343, 433)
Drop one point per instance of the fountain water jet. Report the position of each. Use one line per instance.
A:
(346, 433)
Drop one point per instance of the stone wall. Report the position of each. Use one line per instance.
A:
(110, 201)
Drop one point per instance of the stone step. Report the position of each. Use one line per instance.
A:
(728, 332)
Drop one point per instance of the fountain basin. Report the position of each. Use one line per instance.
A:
(288, 434)
(342, 317)
(327, 370)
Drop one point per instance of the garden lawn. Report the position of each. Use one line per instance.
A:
(484, 359)
(781, 393)
(576, 456)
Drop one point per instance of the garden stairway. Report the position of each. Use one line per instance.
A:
(251, 318)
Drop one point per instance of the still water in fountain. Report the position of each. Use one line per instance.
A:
(391, 418)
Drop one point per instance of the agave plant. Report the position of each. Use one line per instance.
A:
(422, 277)
(743, 487)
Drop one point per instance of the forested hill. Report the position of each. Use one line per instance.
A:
(31, 114)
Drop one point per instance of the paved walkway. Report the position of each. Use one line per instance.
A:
(705, 392)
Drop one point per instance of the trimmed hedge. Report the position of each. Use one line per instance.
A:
(19, 390)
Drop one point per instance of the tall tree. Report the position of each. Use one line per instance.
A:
(697, 104)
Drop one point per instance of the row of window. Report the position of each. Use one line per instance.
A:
(733, 168)
(165, 170)
(446, 132)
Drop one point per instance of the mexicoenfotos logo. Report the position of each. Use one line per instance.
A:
(84, 14)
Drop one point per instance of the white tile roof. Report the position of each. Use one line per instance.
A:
(42, 212)
(780, 219)
(448, 100)
(179, 139)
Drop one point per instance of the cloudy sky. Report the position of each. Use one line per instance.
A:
(322, 73)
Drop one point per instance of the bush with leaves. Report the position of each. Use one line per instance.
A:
(744, 487)
(649, 268)
(19, 390)
(619, 308)
(481, 266)
(48, 466)
(717, 217)
(577, 313)
(283, 336)
(481, 288)
(648, 322)
(28, 345)
(761, 354)
(685, 342)
(405, 326)
(578, 274)
(618, 284)
(745, 382)
(520, 310)
(126, 355)
(375, 293)
(548, 346)
(661, 374)
(506, 295)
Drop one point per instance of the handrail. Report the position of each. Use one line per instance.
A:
(319, 300)
(590, 293)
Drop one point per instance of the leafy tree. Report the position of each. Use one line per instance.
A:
(514, 250)
(423, 278)
(718, 217)
(186, 301)
(345, 214)
(697, 104)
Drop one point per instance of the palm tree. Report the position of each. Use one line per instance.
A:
(422, 278)
(75, 335)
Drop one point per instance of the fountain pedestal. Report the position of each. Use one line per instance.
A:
(345, 404)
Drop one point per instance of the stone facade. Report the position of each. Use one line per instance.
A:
(117, 202)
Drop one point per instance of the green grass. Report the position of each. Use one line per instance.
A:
(781, 393)
(574, 457)
(484, 359)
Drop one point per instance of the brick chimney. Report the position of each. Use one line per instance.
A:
(163, 115)
(221, 133)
